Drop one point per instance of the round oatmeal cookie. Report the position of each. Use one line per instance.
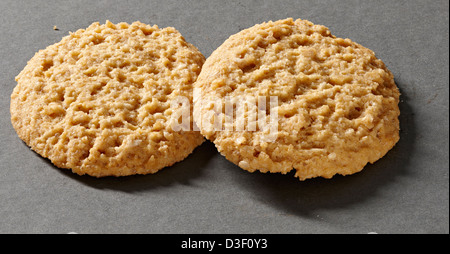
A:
(99, 102)
(289, 95)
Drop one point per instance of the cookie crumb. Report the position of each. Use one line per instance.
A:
(55, 28)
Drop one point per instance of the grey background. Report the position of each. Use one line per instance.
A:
(407, 191)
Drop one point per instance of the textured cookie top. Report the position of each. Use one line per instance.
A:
(99, 101)
(337, 104)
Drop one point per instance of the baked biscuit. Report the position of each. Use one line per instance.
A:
(99, 101)
(336, 103)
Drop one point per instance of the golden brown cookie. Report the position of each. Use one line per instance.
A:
(336, 104)
(99, 101)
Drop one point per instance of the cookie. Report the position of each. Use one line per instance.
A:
(99, 102)
(288, 95)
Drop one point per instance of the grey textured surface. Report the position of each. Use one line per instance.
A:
(407, 191)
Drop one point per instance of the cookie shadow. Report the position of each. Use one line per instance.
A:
(182, 172)
(303, 198)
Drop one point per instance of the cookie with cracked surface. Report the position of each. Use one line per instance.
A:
(336, 102)
(99, 101)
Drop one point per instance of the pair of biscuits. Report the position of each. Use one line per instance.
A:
(124, 99)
